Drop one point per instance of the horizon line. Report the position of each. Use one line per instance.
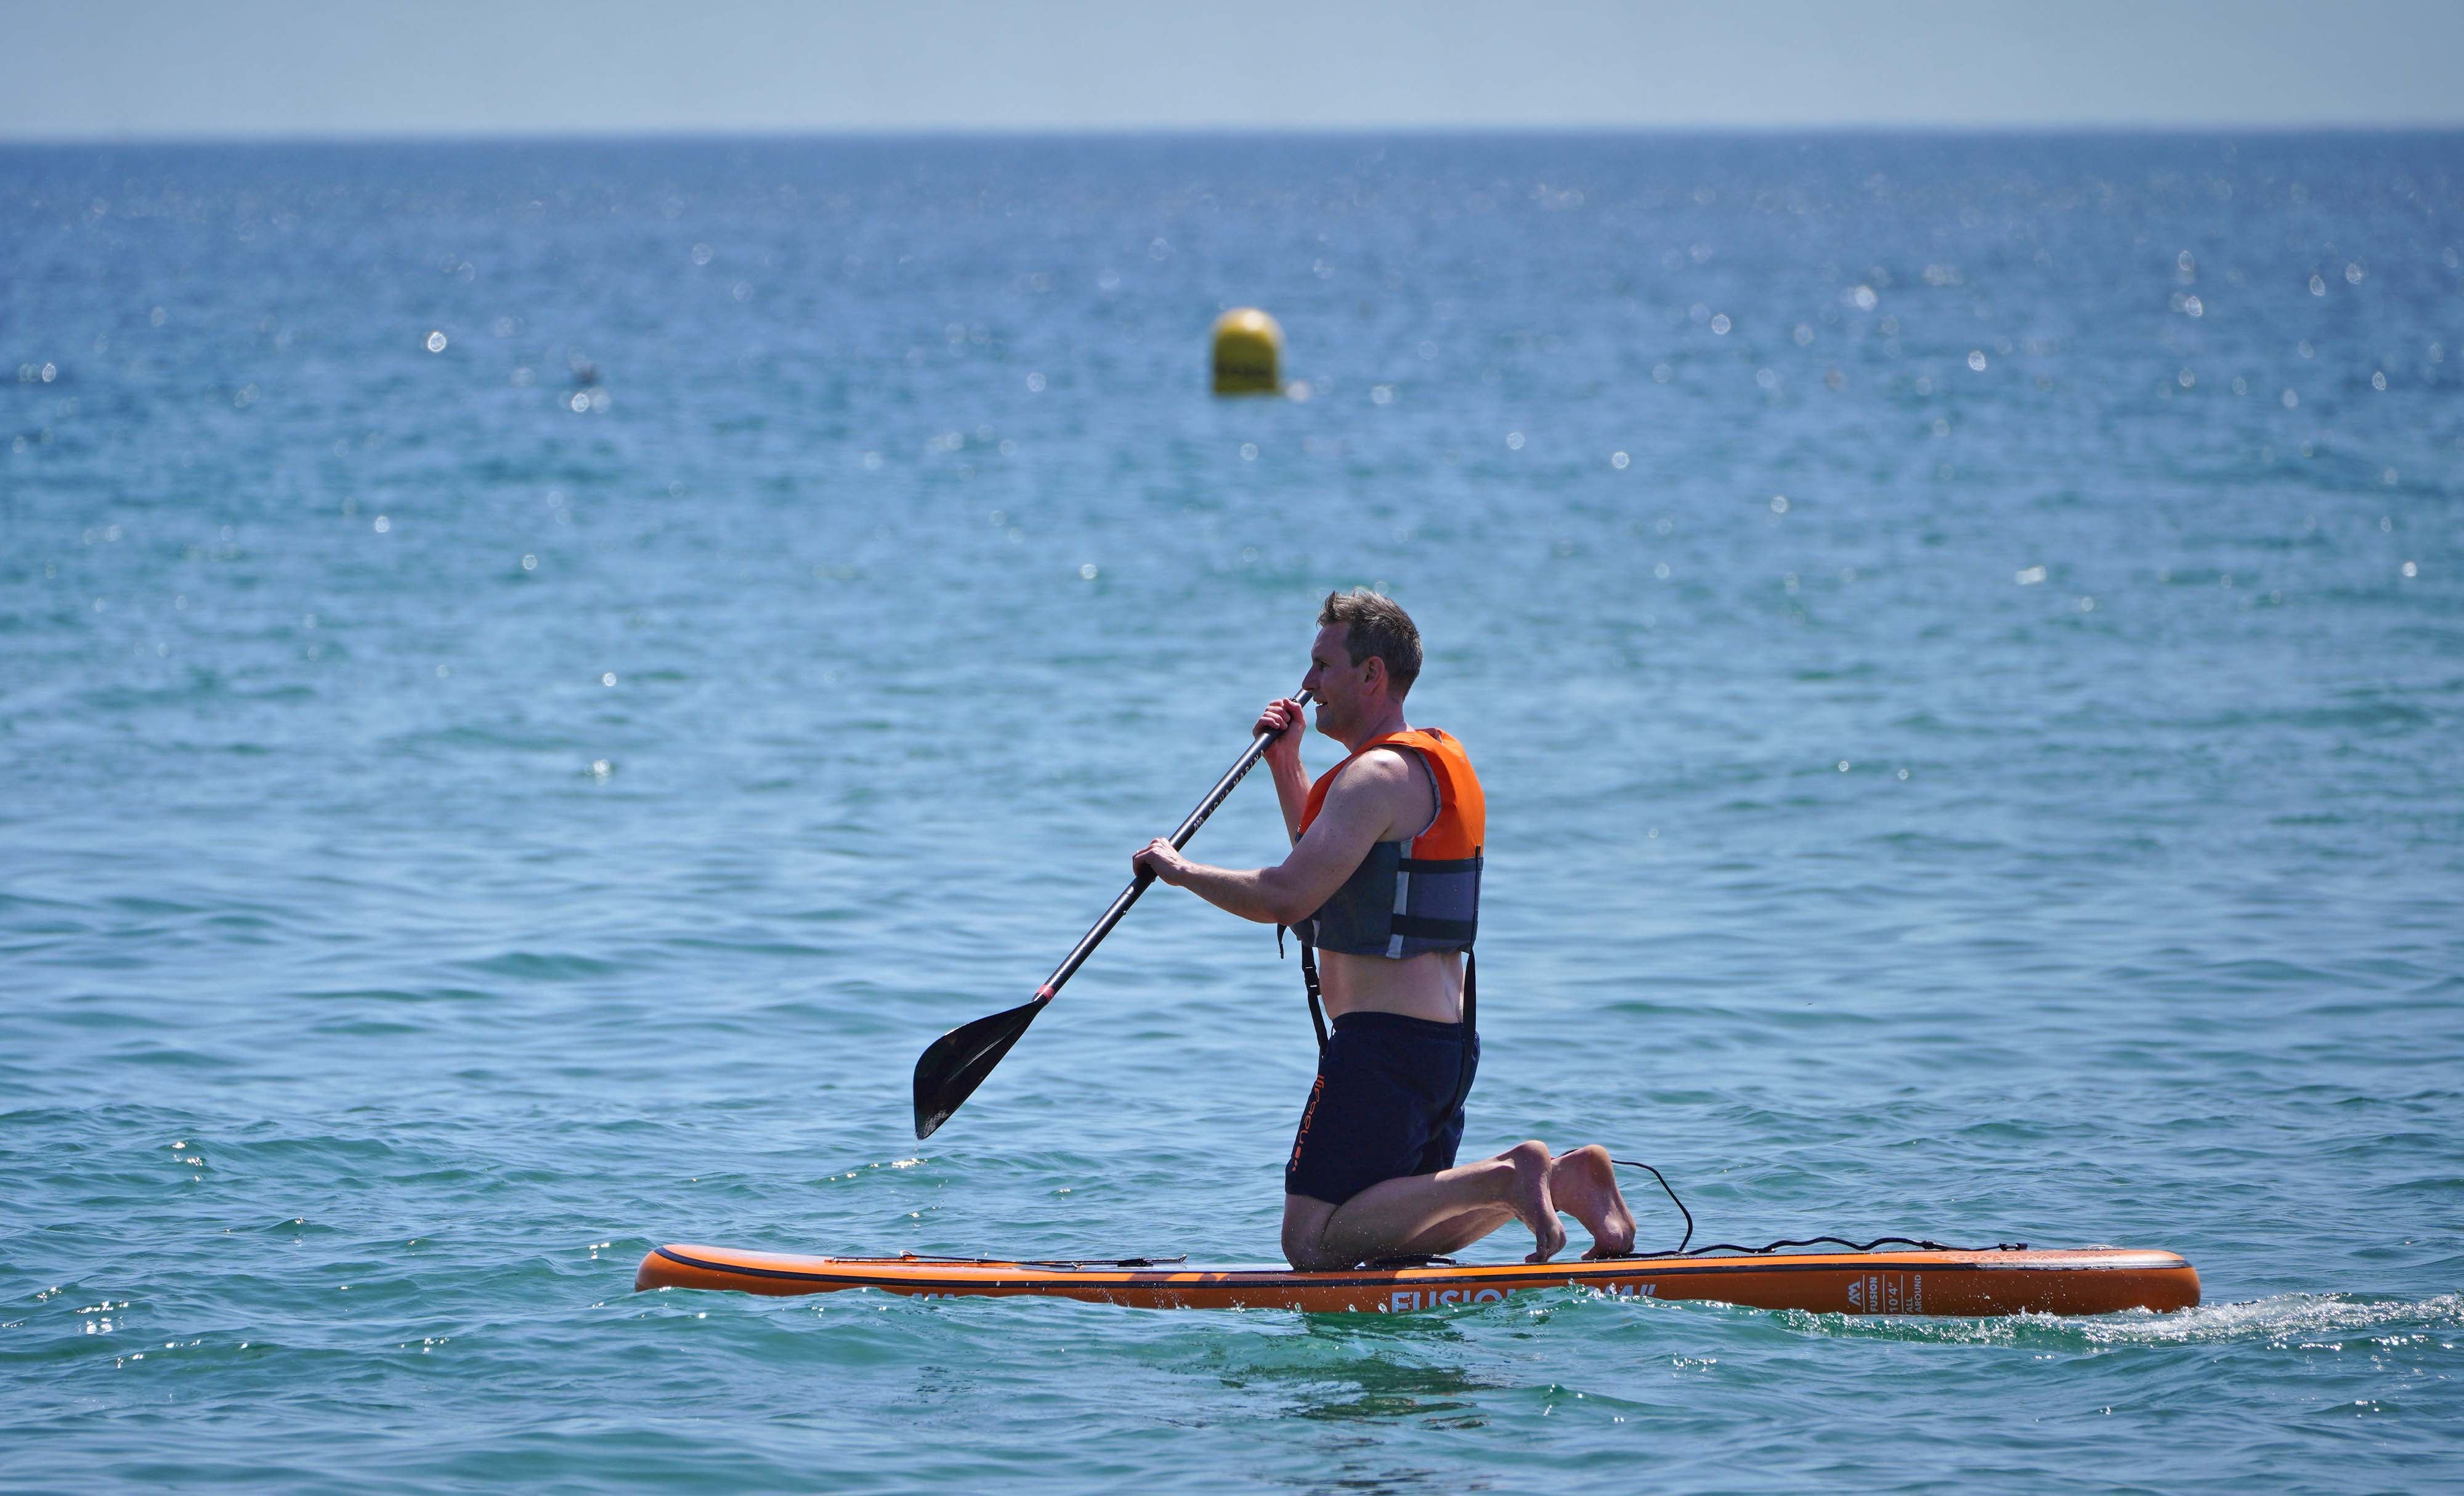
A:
(1189, 132)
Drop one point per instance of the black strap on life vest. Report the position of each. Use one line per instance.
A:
(1308, 980)
(1316, 993)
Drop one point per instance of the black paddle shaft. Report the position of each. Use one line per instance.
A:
(953, 1065)
(1224, 787)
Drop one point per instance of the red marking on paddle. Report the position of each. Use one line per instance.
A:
(1043, 994)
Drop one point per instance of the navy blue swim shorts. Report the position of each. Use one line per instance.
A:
(1388, 1104)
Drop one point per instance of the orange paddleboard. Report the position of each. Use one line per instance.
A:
(2095, 1281)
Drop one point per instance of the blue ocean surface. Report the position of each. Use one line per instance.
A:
(535, 678)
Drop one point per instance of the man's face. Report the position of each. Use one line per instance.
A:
(1340, 687)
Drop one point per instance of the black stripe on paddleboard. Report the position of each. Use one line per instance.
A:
(1393, 1279)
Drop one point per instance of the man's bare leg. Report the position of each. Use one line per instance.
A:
(1455, 1206)
(1583, 1184)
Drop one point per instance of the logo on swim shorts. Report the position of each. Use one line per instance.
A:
(1308, 1115)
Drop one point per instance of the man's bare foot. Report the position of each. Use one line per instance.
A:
(1583, 1184)
(1529, 1199)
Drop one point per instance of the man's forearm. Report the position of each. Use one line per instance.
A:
(1252, 893)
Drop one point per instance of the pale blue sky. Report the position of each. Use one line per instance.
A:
(112, 68)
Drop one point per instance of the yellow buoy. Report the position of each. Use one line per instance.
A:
(1248, 353)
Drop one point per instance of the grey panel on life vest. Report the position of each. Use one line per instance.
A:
(1397, 906)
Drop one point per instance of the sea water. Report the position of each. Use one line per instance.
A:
(536, 678)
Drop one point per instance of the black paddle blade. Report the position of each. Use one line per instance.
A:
(953, 1065)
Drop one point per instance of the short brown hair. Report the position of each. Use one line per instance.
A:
(1375, 625)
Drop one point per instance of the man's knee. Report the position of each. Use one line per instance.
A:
(1312, 1257)
(1305, 1222)
(1302, 1247)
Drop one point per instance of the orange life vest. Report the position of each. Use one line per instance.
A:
(1420, 894)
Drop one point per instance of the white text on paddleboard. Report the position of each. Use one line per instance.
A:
(1406, 1300)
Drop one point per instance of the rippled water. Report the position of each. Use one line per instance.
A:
(1965, 655)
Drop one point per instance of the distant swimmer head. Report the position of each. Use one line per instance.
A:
(1366, 655)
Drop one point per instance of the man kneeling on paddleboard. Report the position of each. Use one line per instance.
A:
(1384, 880)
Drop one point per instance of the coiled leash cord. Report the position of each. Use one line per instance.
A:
(1680, 1251)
